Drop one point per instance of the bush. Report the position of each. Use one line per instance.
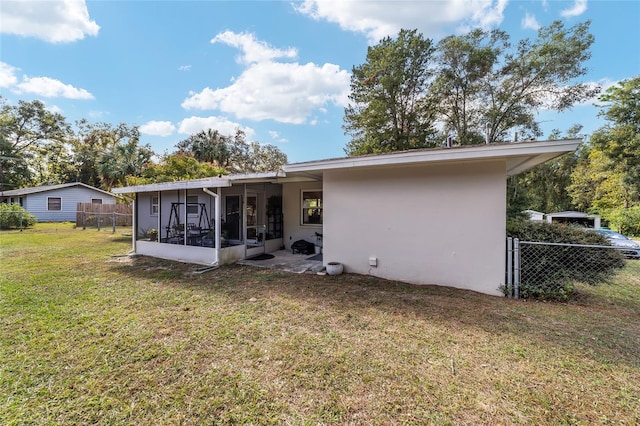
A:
(547, 272)
(14, 216)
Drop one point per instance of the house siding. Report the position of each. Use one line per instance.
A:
(441, 225)
(36, 203)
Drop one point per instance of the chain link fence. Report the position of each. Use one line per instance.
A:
(543, 270)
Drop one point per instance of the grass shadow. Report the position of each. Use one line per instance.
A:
(602, 330)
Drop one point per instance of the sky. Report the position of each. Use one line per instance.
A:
(278, 70)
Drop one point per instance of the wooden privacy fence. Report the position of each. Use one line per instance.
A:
(103, 215)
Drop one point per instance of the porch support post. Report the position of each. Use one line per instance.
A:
(217, 222)
(159, 225)
(134, 213)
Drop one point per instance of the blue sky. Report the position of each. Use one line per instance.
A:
(279, 70)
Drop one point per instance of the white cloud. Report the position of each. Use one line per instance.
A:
(287, 93)
(271, 90)
(50, 88)
(52, 21)
(578, 8)
(380, 19)
(97, 114)
(530, 22)
(276, 137)
(7, 75)
(194, 124)
(184, 68)
(54, 109)
(253, 50)
(158, 128)
(41, 86)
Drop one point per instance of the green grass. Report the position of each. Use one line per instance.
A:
(90, 338)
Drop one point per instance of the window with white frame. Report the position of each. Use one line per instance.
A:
(192, 205)
(312, 207)
(96, 201)
(54, 203)
(155, 202)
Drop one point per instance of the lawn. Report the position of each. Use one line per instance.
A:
(89, 337)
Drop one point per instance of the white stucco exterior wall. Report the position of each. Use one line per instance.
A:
(294, 230)
(434, 224)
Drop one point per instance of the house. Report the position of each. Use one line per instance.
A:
(534, 216)
(574, 218)
(433, 216)
(56, 203)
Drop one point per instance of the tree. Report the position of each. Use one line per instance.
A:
(125, 157)
(26, 130)
(14, 172)
(607, 177)
(389, 109)
(620, 140)
(89, 143)
(29, 124)
(175, 167)
(544, 187)
(465, 66)
(483, 83)
(263, 158)
(233, 154)
(597, 183)
(208, 146)
(546, 184)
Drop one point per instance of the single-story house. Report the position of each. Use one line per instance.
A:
(433, 216)
(534, 216)
(56, 203)
(575, 218)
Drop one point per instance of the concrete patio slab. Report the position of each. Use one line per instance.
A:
(286, 261)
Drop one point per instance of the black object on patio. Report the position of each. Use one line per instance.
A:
(302, 246)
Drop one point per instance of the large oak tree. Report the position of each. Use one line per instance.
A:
(389, 109)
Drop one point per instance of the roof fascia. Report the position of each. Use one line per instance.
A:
(474, 153)
(174, 186)
(214, 182)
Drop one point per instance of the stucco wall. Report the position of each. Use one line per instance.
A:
(292, 211)
(429, 225)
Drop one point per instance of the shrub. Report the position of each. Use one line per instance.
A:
(13, 216)
(549, 271)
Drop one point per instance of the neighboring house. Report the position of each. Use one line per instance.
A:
(435, 216)
(56, 203)
(575, 218)
(534, 216)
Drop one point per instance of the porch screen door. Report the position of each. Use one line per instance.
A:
(232, 217)
(255, 223)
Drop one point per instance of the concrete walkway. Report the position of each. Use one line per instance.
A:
(287, 261)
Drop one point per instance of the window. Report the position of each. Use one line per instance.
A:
(96, 201)
(192, 205)
(312, 207)
(154, 204)
(54, 203)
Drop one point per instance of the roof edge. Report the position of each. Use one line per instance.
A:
(471, 152)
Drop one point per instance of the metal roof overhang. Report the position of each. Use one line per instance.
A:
(519, 157)
(212, 182)
(174, 186)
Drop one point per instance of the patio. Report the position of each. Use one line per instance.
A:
(285, 260)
